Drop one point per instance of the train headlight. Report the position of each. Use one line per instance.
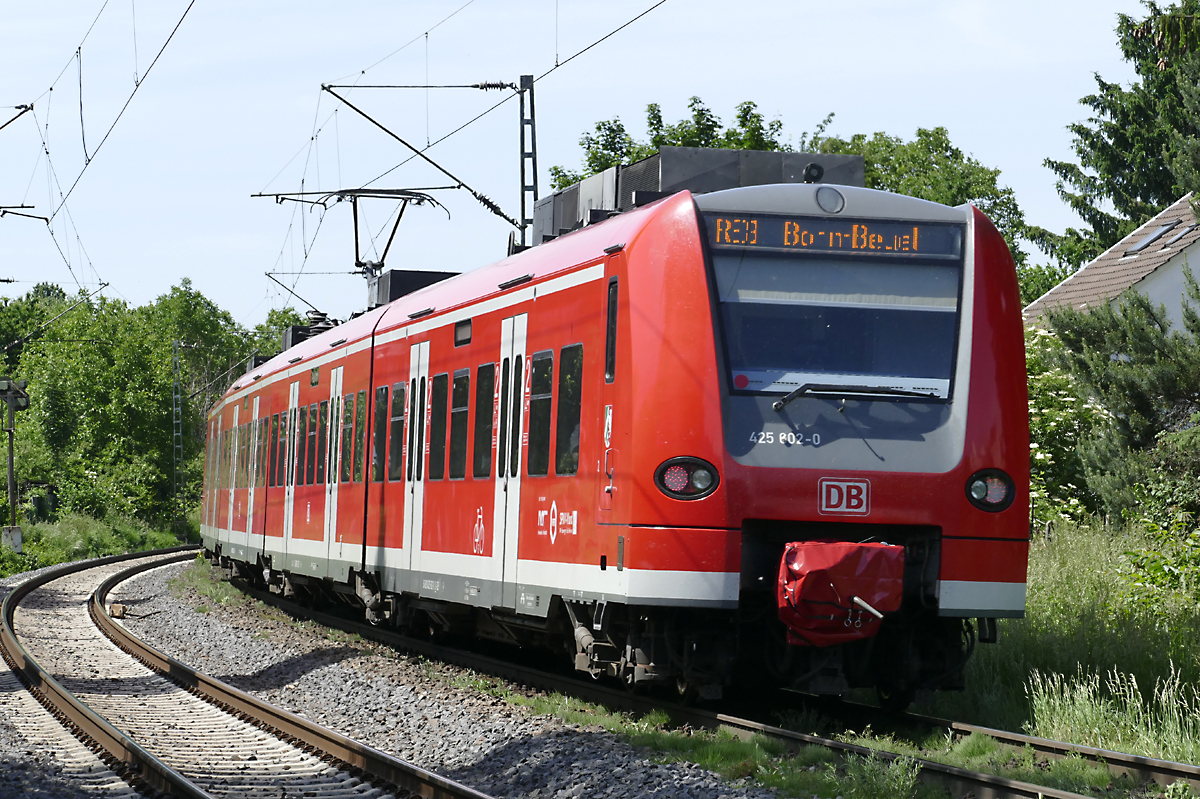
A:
(686, 478)
(991, 490)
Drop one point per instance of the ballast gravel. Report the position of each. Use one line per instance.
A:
(425, 713)
(38, 757)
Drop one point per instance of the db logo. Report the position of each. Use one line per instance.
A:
(845, 496)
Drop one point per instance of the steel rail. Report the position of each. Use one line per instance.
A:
(123, 754)
(958, 780)
(1119, 764)
(379, 765)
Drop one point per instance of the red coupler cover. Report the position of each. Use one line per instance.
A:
(818, 581)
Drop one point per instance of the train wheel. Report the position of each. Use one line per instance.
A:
(894, 698)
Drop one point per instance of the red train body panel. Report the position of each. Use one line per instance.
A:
(606, 442)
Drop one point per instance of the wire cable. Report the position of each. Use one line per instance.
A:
(409, 42)
(127, 102)
(475, 119)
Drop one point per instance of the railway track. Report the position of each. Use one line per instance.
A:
(959, 781)
(163, 727)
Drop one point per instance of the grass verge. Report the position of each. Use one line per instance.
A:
(75, 537)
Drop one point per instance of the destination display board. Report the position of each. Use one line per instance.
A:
(825, 235)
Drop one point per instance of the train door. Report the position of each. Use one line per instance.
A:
(289, 491)
(232, 434)
(605, 488)
(508, 453)
(334, 546)
(241, 539)
(258, 530)
(414, 477)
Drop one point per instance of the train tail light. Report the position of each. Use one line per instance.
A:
(991, 490)
(686, 478)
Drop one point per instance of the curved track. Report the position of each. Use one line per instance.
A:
(163, 726)
(959, 781)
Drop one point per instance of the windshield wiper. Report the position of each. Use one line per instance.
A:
(829, 388)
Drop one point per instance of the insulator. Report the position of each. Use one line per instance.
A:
(490, 85)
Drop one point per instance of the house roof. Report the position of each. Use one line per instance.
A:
(1125, 263)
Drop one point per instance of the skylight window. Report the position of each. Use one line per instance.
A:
(1180, 235)
(1153, 237)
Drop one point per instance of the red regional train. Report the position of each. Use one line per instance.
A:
(771, 433)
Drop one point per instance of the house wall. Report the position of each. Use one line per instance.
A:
(1167, 286)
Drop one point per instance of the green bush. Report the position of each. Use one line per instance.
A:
(76, 537)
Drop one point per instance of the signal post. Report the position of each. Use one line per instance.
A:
(12, 393)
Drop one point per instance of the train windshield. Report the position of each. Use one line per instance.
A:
(822, 318)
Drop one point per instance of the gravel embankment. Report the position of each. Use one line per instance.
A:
(421, 712)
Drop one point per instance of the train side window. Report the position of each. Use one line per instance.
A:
(335, 417)
(518, 394)
(501, 463)
(610, 341)
(310, 467)
(274, 451)
(570, 397)
(260, 471)
(413, 423)
(281, 474)
(460, 398)
(322, 441)
(420, 424)
(541, 386)
(301, 444)
(360, 435)
(395, 472)
(346, 452)
(437, 425)
(485, 385)
(378, 450)
(243, 455)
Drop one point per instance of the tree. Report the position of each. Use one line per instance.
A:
(1146, 376)
(1130, 166)
(612, 145)
(932, 168)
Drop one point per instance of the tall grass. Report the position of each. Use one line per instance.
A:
(75, 537)
(1086, 617)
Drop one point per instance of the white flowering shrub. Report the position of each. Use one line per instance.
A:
(1060, 415)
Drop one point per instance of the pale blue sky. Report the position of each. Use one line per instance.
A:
(237, 94)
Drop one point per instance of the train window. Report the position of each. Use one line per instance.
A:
(301, 445)
(570, 397)
(501, 463)
(541, 380)
(514, 455)
(314, 376)
(412, 429)
(439, 388)
(460, 398)
(260, 472)
(395, 471)
(485, 384)
(378, 450)
(420, 425)
(462, 332)
(281, 474)
(360, 435)
(322, 441)
(274, 448)
(335, 411)
(345, 454)
(610, 341)
(310, 467)
(243, 454)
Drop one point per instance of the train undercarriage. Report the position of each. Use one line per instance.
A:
(698, 653)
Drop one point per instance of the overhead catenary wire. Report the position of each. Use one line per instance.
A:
(489, 110)
(121, 113)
